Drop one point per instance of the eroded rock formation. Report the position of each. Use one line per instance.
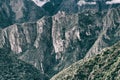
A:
(53, 43)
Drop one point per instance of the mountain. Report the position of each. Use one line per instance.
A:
(75, 6)
(14, 69)
(55, 42)
(53, 36)
(30, 43)
(21, 11)
(104, 66)
(12, 11)
(52, 7)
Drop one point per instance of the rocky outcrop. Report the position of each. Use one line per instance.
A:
(26, 38)
(53, 43)
(12, 11)
(109, 34)
(73, 34)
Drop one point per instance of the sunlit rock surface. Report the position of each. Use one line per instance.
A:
(110, 32)
(53, 43)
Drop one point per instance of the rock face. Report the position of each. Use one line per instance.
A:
(53, 43)
(12, 11)
(110, 32)
(29, 38)
(72, 36)
(103, 66)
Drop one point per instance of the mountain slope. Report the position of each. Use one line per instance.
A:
(14, 69)
(55, 42)
(12, 11)
(109, 34)
(105, 66)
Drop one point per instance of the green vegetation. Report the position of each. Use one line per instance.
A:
(14, 69)
(104, 66)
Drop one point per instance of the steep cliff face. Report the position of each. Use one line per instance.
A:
(71, 36)
(22, 36)
(12, 11)
(54, 42)
(109, 34)
(105, 66)
(31, 10)
(29, 41)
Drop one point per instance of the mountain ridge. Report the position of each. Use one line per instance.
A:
(102, 66)
(59, 48)
(52, 37)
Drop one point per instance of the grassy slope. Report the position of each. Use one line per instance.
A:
(105, 66)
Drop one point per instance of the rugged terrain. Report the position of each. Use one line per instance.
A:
(13, 69)
(19, 11)
(104, 66)
(53, 43)
(54, 36)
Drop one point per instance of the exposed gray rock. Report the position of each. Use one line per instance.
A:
(19, 11)
(29, 42)
(109, 34)
(53, 43)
